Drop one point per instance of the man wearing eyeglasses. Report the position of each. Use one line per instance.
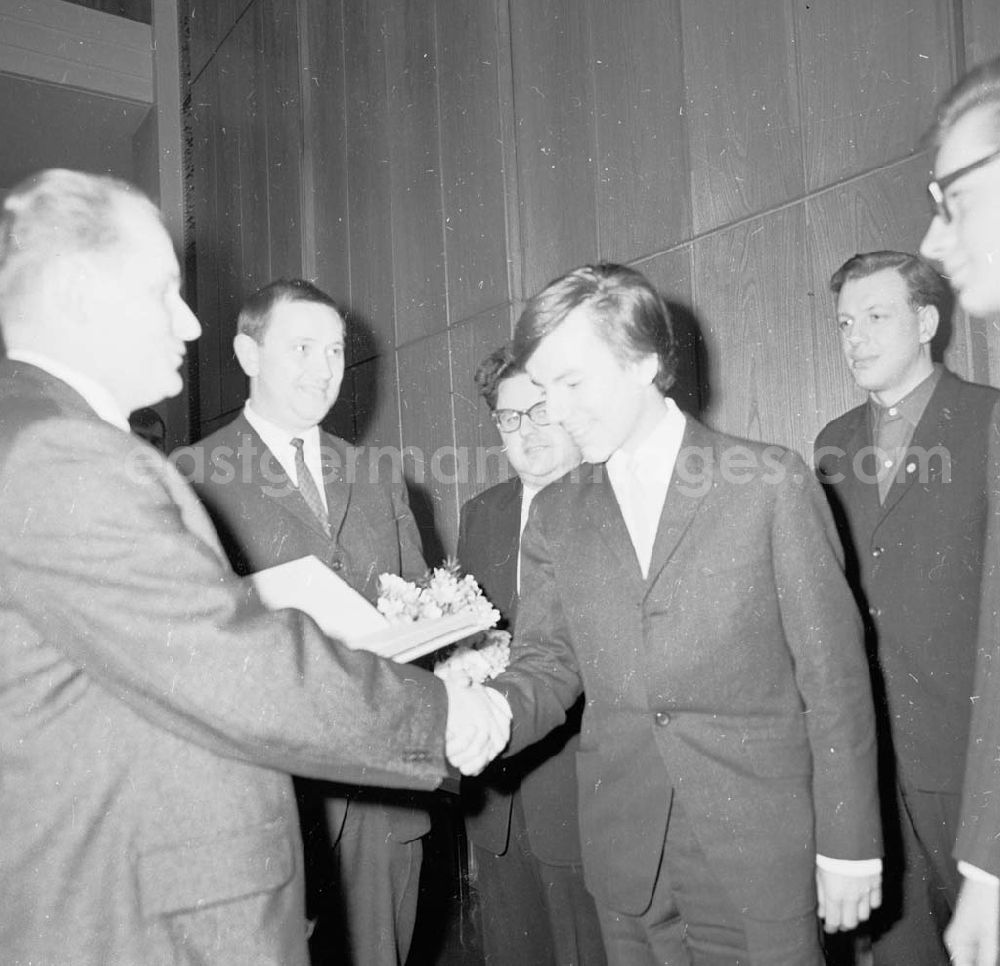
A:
(964, 237)
(521, 815)
(908, 477)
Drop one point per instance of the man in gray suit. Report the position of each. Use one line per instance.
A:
(150, 707)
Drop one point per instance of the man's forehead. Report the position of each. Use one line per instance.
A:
(883, 286)
(312, 319)
(972, 137)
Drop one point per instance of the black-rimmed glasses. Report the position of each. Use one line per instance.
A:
(938, 187)
(509, 420)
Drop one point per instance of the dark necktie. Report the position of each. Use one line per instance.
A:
(307, 485)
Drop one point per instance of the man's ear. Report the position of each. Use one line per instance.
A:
(248, 353)
(928, 319)
(647, 367)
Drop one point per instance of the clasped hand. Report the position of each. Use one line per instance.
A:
(478, 726)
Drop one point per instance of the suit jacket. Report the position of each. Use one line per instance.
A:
(263, 520)
(151, 709)
(916, 565)
(733, 677)
(544, 775)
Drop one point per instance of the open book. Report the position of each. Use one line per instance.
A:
(309, 585)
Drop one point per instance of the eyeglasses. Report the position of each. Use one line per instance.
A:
(509, 420)
(941, 185)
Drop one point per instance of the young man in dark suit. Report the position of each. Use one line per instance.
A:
(964, 238)
(910, 480)
(152, 708)
(521, 816)
(298, 490)
(688, 584)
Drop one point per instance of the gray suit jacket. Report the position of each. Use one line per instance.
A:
(151, 709)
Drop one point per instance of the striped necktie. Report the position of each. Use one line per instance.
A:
(307, 486)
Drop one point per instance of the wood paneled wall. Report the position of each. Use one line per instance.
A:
(434, 163)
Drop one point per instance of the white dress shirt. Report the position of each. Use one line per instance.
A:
(279, 442)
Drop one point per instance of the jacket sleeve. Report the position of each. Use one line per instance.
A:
(113, 564)
(543, 680)
(824, 633)
(979, 831)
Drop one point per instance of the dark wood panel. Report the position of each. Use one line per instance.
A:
(981, 23)
(204, 148)
(643, 175)
(324, 199)
(555, 139)
(430, 455)
(278, 73)
(472, 156)
(207, 23)
(885, 209)
(376, 402)
(476, 436)
(368, 166)
(757, 324)
(871, 72)
(242, 176)
(415, 178)
(742, 108)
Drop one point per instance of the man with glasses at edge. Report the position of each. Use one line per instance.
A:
(521, 815)
(964, 238)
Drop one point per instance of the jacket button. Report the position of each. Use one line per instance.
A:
(875, 611)
(878, 551)
(662, 718)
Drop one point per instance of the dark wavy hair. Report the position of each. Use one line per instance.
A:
(493, 370)
(923, 283)
(630, 315)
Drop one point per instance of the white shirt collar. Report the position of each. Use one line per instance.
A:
(94, 394)
(640, 480)
(279, 441)
(655, 456)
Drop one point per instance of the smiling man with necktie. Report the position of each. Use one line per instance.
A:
(295, 490)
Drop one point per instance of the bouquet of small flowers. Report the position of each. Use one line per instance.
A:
(441, 592)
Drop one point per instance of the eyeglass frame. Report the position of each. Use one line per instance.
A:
(939, 186)
(521, 413)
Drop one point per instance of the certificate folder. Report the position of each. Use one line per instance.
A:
(342, 613)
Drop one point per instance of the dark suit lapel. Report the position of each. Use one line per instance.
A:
(605, 516)
(930, 431)
(505, 546)
(690, 483)
(335, 480)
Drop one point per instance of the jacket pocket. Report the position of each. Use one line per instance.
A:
(202, 872)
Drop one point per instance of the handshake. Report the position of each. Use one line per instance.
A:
(478, 726)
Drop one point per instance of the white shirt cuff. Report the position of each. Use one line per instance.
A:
(977, 875)
(849, 866)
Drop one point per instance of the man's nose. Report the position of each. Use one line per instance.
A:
(185, 324)
(934, 243)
